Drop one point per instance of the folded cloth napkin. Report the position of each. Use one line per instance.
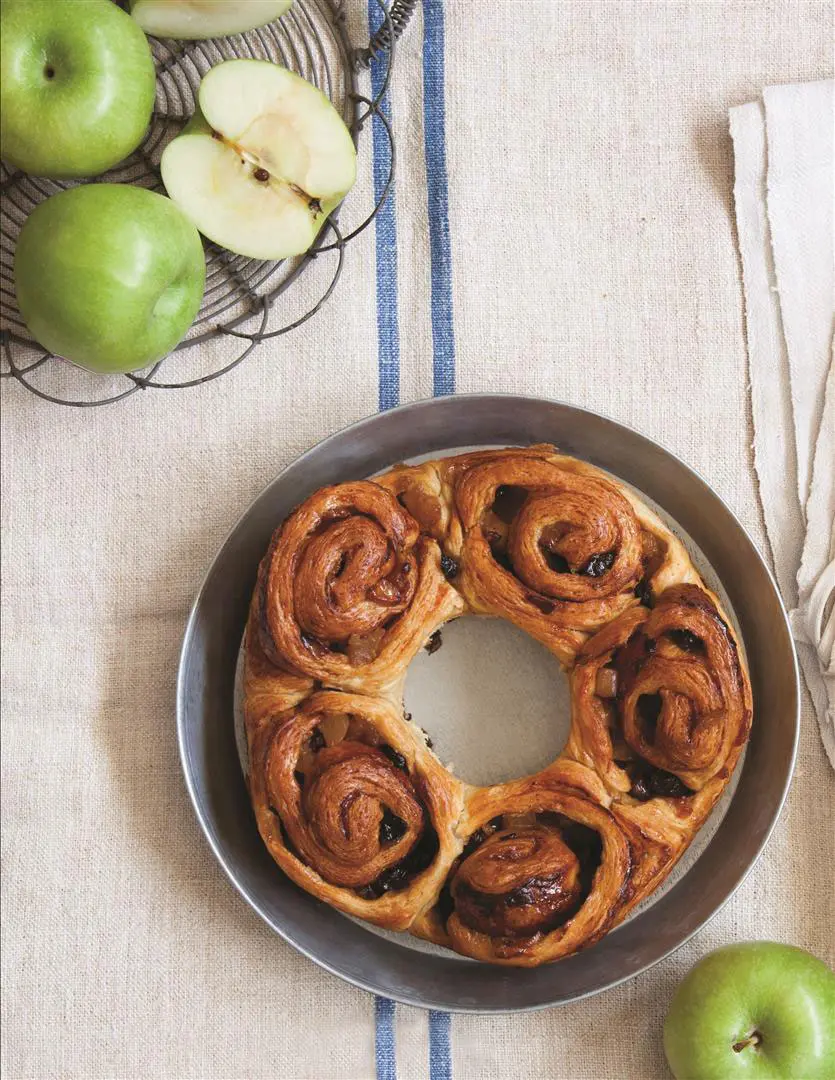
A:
(813, 621)
(783, 192)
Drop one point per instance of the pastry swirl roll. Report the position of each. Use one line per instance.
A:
(661, 701)
(350, 589)
(551, 544)
(545, 870)
(353, 806)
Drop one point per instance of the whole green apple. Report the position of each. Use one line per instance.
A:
(77, 85)
(109, 276)
(756, 1009)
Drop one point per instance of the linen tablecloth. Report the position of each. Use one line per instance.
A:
(562, 226)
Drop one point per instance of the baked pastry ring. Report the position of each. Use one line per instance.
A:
(348, 796)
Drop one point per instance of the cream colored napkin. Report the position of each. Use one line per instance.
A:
(813, 621)
(784, 192)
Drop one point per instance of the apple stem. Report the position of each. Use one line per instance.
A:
(754, 1039)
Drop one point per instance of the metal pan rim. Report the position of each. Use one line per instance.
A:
(206, 676)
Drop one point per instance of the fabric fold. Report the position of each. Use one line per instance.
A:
(813, 621)
(799, 130)
(775, 459)
(783, 193)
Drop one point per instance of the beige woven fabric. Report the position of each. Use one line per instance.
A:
(594, 260)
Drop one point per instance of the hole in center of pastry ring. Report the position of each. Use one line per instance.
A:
(493, 700)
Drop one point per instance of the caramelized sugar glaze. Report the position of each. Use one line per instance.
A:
(349, 798)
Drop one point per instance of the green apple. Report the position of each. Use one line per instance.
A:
(756, 1009)
(109, 276)
(204, 18)
(263, 161)
(77, 86)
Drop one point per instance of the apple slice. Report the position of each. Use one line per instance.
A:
(194, 19)
(262, 162)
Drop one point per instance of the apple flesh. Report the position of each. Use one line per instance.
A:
(263, 161)
(195, 19)
(755, 1009)
(77, 86)
(109, 276)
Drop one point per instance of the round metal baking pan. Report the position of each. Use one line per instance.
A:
(206, 687)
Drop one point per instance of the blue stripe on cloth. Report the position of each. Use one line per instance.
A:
(384, 1039)
(388, 364)
(440, 1054)
(434, 113)
(443, 331)
(385, 226)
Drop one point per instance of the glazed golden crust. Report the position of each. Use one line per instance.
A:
(537, 852)
(267, 689)
(350, 800)
(678, 694)
(349, 574)
(322, 812)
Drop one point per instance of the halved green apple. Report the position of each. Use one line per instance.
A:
(194, 19)
(262, 162)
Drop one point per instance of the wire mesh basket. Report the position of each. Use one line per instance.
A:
(241, 306)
